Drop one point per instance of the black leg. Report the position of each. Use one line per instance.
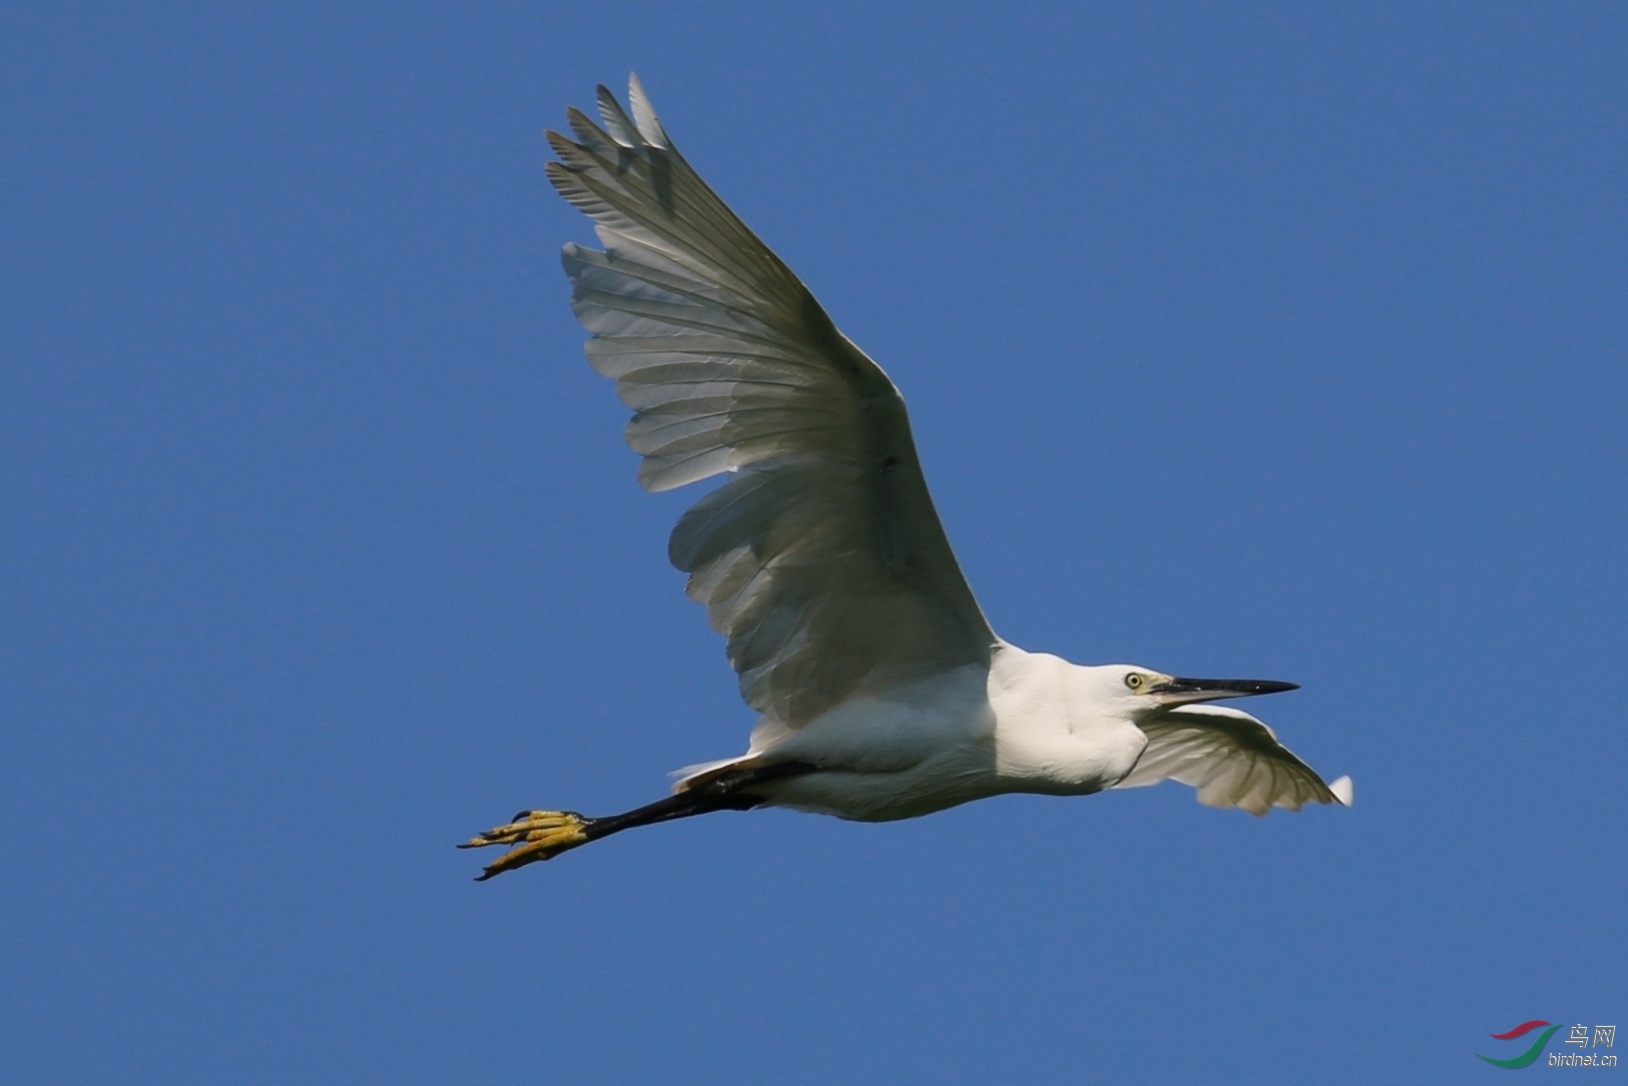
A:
(542, 835)
(728, 792)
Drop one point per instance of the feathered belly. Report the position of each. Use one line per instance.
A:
(917, 750)
(945, 780)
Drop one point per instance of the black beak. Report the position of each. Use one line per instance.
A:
(1182, 690)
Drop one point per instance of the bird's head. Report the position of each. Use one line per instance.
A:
(1147, 690)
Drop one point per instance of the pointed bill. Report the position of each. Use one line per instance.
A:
(1185, 691)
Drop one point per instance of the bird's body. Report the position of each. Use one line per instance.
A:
(1029, 722)
(883, 693)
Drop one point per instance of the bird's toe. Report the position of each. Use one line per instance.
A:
(539, 835)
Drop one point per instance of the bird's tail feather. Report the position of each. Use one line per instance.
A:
(703, 773)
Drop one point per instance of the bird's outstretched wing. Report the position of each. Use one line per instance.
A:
(1232, 759)
(821, 559)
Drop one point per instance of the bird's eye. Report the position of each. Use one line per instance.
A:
(1135, 681)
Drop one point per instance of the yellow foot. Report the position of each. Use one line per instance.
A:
(539, 835)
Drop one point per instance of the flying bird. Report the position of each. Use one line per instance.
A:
(882, 691)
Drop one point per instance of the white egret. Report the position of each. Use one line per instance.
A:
(883, 692)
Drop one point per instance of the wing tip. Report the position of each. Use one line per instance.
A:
(644, 114)
(1342, 790)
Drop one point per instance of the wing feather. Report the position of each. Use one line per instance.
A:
(1232, 759)
(821, 559)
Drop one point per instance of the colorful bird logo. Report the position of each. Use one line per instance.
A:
(1528, 1057)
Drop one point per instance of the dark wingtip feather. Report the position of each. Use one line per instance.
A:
(617, 122)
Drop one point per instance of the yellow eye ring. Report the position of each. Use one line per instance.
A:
(1135, 680)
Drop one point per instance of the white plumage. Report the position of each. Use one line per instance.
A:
(882, 690)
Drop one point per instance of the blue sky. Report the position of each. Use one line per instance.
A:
(1284, 342)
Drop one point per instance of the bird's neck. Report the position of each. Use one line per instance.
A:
(1054, 731)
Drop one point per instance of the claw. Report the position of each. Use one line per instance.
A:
(545, 834)
(529, 826)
